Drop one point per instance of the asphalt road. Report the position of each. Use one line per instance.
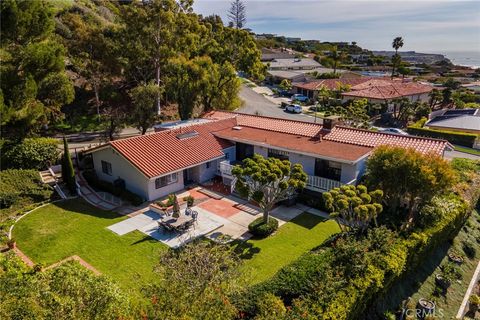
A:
(458, 154)
(255, 103)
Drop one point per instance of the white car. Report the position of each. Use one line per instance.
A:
(295, 108)
(394, 131)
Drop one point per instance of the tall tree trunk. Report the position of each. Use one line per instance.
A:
(159, 108)
(97, 98)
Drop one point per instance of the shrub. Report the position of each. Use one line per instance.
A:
(109, 187)
(474, 299)
(258, 228)
(19, 187)
(31, 153)
(190, 200)
(469, 248)
(460, 138)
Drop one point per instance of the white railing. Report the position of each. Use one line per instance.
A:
(323, 184)
(225, 168)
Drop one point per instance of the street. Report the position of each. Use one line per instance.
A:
(255, 103)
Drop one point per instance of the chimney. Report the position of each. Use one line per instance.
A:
(330, 122)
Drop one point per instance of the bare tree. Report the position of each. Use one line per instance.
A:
(237, 14)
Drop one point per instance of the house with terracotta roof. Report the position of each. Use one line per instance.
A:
(383, 91)
(312, 88)
(157, 164)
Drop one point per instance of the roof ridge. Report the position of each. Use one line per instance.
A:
(267, 117)
(389, 135)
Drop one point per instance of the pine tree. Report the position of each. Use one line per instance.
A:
(237, 14)
(68, 173)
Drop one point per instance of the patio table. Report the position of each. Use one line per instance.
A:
(178, 222)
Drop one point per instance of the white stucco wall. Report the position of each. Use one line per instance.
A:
(231, 151)
(164, 191)
(307, 162)
(205, 173)
(135, 181)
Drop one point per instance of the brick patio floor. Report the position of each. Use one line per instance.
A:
(221, 207)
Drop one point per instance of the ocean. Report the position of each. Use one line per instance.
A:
(464, 58)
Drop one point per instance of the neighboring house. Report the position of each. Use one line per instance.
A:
(293, 64)
(157, 164)
(312, 88)
(461, 120)
(384, 91)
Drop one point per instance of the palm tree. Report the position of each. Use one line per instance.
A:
(396, 44)
(337, 56)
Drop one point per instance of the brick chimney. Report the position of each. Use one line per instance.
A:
(330, 122)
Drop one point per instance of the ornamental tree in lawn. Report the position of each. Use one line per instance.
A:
(352, 207)
(268, 181)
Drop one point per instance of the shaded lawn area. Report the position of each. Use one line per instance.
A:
(467, 150)
(71, 227)
(264, 257)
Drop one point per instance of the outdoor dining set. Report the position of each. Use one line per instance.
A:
(178, 220)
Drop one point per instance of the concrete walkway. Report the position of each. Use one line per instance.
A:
(101, 200)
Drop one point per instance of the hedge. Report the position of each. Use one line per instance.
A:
(461, 139)
(261, 229)
(31, 153)
(309, 287)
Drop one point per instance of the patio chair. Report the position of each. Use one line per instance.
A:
(194, 215)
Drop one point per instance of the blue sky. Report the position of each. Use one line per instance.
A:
(425, 25)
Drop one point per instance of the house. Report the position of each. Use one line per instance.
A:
(157, 164)
(384, 91)
(312, 88)
(293, 64)
(459, 120)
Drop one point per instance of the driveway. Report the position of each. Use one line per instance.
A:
(255, 103)
(457, 154)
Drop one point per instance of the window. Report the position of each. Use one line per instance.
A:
(208, 164)
(282, 155)
(328, 169)
(166, 180)
(107, 167)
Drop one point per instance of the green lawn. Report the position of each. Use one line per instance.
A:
(468, 150)
(264, 257)
(71, 227)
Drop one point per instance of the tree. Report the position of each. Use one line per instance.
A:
(31, 153)
(268, 181)
(404, 71)
(34, 84)
(408, 176)
(355, 113)
(189, 78)
(337, 57)
(354, 208)
(68, 291)
(68, 173)
(285, 85)
(406, 109)
(396, 44)
(143, 113)
(237, 14)
(196, 282)
(435, 97)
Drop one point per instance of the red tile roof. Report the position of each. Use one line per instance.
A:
(296, 143)
(302, 128)
(163, 152)
(384, 89)
(330, 84)
(374, 139)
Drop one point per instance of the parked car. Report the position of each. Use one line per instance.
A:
(284, 93)
(393, 131)
(299, 97)
(295, 108)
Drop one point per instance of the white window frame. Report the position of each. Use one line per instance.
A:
(166, 180)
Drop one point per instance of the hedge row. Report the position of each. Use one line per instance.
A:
(31, 153)
(320, 285)
(109, 187)
(462, 139)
